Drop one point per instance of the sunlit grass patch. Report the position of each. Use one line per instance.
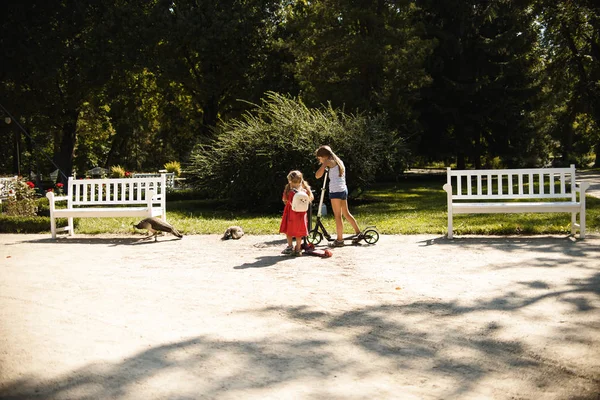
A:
(408, 207)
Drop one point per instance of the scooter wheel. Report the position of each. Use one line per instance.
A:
(314, 237)
(371, 236)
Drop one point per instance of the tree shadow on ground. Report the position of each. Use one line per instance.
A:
(111, 241)
(567, 245)
(431, 340)
(415, 344)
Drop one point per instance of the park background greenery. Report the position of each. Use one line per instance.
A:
(240, 92)
(415, 204)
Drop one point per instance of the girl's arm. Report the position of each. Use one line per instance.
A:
(320, 171)
(329, 163)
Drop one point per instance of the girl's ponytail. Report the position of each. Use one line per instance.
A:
(340, 163)
(306, 187)
(286, 190)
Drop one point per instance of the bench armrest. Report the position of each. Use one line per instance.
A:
(53, 198)
(583, 186)
(448, 188)
(150, 195)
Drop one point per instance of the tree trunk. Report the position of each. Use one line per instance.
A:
(66, 152)
(460, 161)
(597, 151)
(32, 165)
(119, 143)
(210, 115)
(477, 150)
(18, 146)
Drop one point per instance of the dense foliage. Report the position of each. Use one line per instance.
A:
(21, 200)
(251, 156)
(139, 84)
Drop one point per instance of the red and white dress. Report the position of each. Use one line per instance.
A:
(293, 223)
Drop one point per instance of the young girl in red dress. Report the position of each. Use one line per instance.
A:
(293, 223)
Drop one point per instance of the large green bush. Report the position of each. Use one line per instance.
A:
(251, 156)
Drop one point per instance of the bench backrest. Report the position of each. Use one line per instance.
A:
(127, 191)
(534, 183)
(6, 184)
(169, 175)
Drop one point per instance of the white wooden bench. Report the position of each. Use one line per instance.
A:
(99, 198)
(170, 177)
(478, 192)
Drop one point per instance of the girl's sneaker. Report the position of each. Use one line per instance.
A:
(337, 243)
(296, 253)
(288, 250)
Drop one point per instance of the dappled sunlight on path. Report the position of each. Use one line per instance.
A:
(412, 316)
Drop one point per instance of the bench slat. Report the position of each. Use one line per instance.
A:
(463, 172)
(517, 207)
(521, 184)
(556, 196)
(469, 186)
(101, 212)
(499, 184)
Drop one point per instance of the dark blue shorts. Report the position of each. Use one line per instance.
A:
(339, 195)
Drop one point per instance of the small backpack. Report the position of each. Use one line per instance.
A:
(300, 201)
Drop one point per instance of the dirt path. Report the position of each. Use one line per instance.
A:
(412, 317)
(593, 177)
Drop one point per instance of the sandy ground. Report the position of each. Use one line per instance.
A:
(411, 317)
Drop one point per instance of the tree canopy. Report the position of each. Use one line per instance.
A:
(139, 84)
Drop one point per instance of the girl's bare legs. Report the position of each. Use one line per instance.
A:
(340, 208)
(298, 247)
(336, 206)
(349, 217)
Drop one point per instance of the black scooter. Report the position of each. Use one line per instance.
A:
(315, 236)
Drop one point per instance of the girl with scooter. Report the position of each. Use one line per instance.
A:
(338, 192)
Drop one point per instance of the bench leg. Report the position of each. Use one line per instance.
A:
(450, 233)
(573, 223)
(71, 227)
(53, 227)
(582, 214)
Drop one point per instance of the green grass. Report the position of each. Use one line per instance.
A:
(407, 207)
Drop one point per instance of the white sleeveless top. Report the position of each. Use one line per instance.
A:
(337, 183)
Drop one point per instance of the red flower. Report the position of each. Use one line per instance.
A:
(30, 184)
(127, 174)
(50, 190)
(59, 185)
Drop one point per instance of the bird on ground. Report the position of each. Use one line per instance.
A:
(233, 232)
(155, 226)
